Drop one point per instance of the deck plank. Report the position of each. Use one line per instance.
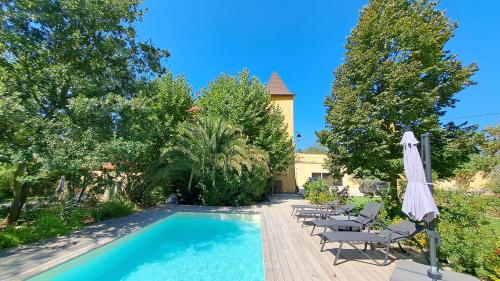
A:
(298, 272)
(294, 243)
(301, 251)
(273, 252)
(268, 266)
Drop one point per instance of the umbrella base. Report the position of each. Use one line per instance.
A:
(435, 275)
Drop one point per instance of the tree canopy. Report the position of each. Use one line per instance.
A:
(315, 149)
(245, 101)
(396, 76)
(487, 163)
(66, 68)
(214, 150)
(223, 168)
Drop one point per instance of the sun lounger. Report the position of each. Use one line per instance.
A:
(329, 206)
(365, 218)
(305, 214)
(393, 234)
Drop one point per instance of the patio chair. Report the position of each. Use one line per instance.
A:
(328, 206)
(365, 218)
(305, 214)
(393, 234)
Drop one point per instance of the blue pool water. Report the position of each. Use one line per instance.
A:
(184, 246)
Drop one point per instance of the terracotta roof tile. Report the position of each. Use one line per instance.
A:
(276, 86)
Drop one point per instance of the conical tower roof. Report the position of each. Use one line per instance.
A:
(276, 86)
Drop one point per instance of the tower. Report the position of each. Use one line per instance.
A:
(283, 98)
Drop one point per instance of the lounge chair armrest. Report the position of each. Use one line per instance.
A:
(400, 232)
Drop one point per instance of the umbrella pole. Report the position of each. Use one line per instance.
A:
(433, 272)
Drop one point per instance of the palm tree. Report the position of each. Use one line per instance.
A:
(213, 144)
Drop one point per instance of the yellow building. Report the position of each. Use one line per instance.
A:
(283, 98)
(312, 165)
(307, 165)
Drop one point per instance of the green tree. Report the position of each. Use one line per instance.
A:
(486, 163)
(491, 151)
(66, 65)
(20, 142)
(396, 75)
(315, 149)
(140, 127)
(491, 147)
(152, 115)
(6, 181)
(211, 148)
(246, 102)
(148, 124)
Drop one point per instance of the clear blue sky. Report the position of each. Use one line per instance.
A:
(303, 41)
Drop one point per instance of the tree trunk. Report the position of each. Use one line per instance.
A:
(212, 192)
(190, 180)
(213, 180)
(20, 195)
(393, 182)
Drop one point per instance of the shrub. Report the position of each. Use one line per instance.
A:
(156, 195)
(231, 189)
(45, 221)
(360, 202)
(237, 190)
(373, 187)
(6, 182)
(135, 188)
(48, 223)
(223, 168)
(494, 184)
(318, 192)
(140, 190)
(112, 209)
(467, 224)
(468, 241)
(325, 197)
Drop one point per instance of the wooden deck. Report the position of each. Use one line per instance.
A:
(290, 253)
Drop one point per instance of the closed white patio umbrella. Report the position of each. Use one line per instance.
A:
(418, 203)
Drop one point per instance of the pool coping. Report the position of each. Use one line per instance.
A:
(29, 260)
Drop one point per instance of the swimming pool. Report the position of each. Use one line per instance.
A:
(184, 246)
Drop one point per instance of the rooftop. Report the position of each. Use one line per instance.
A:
(276, 85)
